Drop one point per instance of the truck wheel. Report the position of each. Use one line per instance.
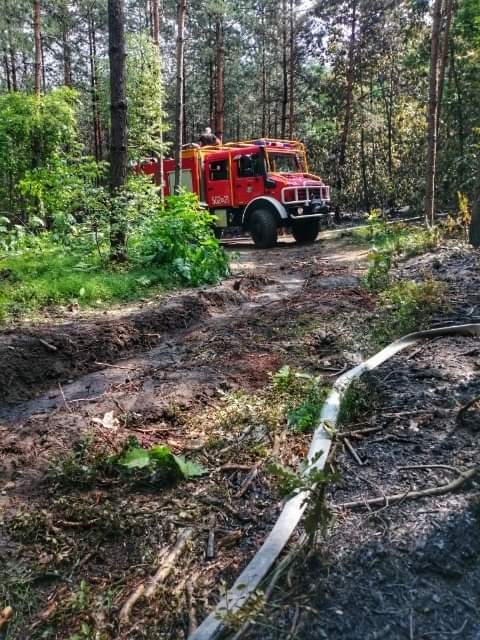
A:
(263, 228)
(306, 231)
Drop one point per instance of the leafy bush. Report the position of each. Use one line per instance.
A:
(390, 242)
(181, 238)
(405, 307)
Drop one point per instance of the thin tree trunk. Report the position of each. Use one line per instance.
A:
(13, 59)
(283, 133)
(474, 233)
(458, 103)
(220, 75)
(7, 70)
(444, 46)
(292, 71)
(44, 75)
(38, 47)
(181, 11)
(432, 115)
(97, 143)
(67, 53)
(264, 77)
(118, 136)
(155, 7)
(342, 157)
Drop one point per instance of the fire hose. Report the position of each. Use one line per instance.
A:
(317, 456)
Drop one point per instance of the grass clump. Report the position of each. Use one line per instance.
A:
(406, 307)
(389, 243)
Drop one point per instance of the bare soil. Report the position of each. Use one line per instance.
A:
(71, 554)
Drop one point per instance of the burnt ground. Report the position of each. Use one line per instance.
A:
(193, 371)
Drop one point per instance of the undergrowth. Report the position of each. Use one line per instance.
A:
(171, 247)
(93, 460)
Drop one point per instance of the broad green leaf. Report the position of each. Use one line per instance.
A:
(189, 469)
(135, 458)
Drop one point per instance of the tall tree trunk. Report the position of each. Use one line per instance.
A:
(7, 70)
(283, 133)
(97, 134)
(44, 70)
(220, 75)
(181, 11)
(474, 233)
(13, 58)
(118, 136)
(342, 156)
(444, 47)
(38, 47)
(155, 7)
(292, 71)
(432, 117)
(264, 77)
(67, 52)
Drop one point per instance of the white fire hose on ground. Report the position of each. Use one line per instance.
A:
(261, 563)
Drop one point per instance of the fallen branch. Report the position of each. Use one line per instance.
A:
(413, 495)
(47, 345)
(65, 403)
(164, 571)
(248, 481)
(353, 452)
(149, 588)
(460, 419)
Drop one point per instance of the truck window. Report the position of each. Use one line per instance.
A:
(218, 170)
(249, 166)
(285, 163)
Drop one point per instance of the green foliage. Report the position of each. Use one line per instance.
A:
(145, 97)
(43, 175)
(91, 461)
(158, 459)
(181, 237)
(358, 401)
(406, 307)
(389, 243)
(303, 406)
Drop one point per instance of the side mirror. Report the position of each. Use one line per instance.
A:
(269, 182)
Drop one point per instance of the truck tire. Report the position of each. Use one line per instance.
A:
(263, 228)
(306, 231)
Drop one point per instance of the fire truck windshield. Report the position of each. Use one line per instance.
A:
(285, 162)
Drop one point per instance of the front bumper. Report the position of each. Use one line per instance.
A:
(313, 209)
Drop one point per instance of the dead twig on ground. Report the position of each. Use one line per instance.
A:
(192, 616)
(460, 419)
(352, 451)
(358, 433)
(248, 480)
(211, 538)
(413, 495)
(65, 403)
(47, 345)
(115, 366)
(149, 588)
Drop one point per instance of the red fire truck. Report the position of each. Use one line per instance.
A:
(258, 185)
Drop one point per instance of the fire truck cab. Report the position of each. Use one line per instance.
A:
(258, 185)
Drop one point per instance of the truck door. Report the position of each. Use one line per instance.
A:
(218, 180)
(248, 178)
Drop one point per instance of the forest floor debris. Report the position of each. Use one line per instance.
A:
(79, 536)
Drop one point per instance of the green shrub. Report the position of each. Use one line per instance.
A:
(406, 307)
(181, 238)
